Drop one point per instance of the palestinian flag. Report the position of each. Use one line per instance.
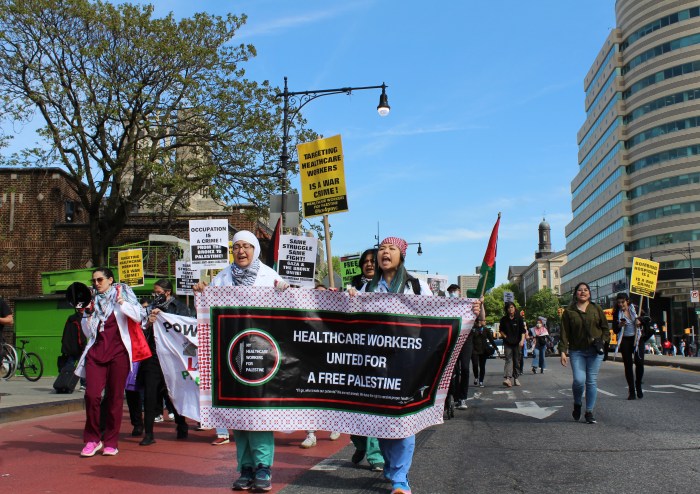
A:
(273, 249)
(487, 278)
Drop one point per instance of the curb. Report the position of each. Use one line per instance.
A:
(24, 412)
(692, 365)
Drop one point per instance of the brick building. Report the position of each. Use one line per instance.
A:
(43, 227)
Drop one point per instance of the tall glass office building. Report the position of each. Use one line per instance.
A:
(637, 191)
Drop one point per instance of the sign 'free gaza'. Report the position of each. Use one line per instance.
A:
(322, 173)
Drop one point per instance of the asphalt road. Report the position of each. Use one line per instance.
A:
(523, 439)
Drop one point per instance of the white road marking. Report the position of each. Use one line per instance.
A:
(510, 395)
(676, 386)
(329, 465)
(607, 393)
(531, 409)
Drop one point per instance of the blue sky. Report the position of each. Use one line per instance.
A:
(486, 99)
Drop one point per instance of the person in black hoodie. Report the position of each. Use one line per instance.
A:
(150, 372)
(512, 329)
(73, 341)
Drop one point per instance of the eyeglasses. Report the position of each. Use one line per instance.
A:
(238, 247)
(96, 281)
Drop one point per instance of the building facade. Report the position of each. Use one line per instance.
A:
(467, 282)
(637, 190)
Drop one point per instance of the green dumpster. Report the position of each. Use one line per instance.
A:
(40, 320)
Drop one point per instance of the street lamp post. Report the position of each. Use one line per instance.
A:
(288, 113)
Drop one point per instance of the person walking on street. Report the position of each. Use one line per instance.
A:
(107, 359)
(512, 329)
(539, 334)
(628, 328)
(255, 450)
(583, 335)
(483, 347)
(391, 277)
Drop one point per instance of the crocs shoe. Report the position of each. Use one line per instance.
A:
(91, 448)
(108, 451)
(401, 488)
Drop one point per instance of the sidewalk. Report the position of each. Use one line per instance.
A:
(21, 399)
(687, 363)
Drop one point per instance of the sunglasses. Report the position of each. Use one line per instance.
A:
(96, 281)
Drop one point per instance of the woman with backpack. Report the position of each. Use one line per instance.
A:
(628, 328)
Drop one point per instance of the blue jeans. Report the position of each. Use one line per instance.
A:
(585, 365)
(538, 359)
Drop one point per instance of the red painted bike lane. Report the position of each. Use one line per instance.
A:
(42, 455)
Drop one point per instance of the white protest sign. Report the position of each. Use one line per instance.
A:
(185, 278)
(209, 244)
(297, 260)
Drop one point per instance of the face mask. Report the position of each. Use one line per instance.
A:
(453, 294)
(159, 299)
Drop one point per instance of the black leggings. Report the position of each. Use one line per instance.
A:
(629, 356)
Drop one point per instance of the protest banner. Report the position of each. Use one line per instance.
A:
(643, 277)
(185, 278)
(377, 364)
(349, 268)
(130, 267)
(297, 260)
(176, 345)
(209, 244)
(322, 175)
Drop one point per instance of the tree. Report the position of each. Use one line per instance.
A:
(493, 301)
(543, 303)
(142, 112)
(322, 270)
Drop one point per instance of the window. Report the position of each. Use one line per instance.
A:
(544, 274)
(556, 274)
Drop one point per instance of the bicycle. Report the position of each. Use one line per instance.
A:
(8, 361)
(30, 364)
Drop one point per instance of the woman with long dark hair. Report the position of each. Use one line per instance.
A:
(628, 327)
(584, 333)
(107, 359)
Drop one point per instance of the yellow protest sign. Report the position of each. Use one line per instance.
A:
(644, 276)
(322, 177)
(131, 267)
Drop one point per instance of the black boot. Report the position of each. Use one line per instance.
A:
(147, 440)
(631, 395)
(182, 431)
(640, 394)
(576, 414)
(137, 432)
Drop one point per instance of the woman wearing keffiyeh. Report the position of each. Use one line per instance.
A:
(628, 328)
(107, 358)
(255, 450)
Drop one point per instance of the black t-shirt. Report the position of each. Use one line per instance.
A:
(512, 329)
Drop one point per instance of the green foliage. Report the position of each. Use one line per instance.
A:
(493, 301)
(142, 112)
(322, 270)
(543, 303)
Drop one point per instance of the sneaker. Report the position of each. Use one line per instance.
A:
(219, 441)
(110, 451)
(137, 432)
(82, 388)
(159, 418)
(245, 481)
(263, 479)
(476, 381)
(590, 419)
(481, 385)
(335, 436)
(576, 414)
(517, 383)
(400, 488)
(358, 456)
(506, 383)
(462, 405)
(376, 467)
(171, 417)
(309, 442)
(534, 370)
(200, 428)
(91, 448)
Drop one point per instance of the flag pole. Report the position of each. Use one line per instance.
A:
(329, 255)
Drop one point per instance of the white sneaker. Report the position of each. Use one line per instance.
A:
(462, 405)
(506, 383)
(335, 436)
(159, 418)
(517, 383)
(171, 417)
(310, 441)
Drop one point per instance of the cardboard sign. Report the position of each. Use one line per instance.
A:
(185, 278)
(209, 245)
(131, 267)
(297, 260)
(644, 276)
(322, 177)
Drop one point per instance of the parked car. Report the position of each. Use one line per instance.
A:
(499, 347)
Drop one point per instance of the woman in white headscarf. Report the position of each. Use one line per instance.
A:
(255, 450)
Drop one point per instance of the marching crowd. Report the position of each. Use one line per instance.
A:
(117, 328)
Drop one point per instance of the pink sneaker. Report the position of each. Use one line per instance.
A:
(91, 448)
(110, 451)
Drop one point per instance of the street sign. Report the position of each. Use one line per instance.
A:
(695, 296)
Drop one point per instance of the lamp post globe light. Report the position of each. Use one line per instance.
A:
(298, 100)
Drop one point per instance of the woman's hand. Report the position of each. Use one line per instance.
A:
(352, 291)
(563, 359)
(281, 285)
(199, 286)
(153, 315)
(476, 307)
